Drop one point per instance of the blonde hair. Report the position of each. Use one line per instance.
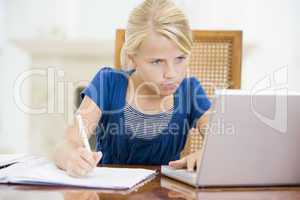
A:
(160, 16)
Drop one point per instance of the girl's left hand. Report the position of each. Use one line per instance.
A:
(189, 162)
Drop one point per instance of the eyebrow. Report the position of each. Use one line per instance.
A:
(181, 55)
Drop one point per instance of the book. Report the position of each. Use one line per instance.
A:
(41, 171)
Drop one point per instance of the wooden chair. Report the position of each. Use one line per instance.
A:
(215, 61)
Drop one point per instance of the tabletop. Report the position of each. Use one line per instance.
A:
(160, 187)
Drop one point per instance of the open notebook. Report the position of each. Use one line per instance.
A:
(40, 171)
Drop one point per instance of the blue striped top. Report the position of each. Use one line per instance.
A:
(145, 126)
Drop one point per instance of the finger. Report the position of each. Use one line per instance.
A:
(83, 168)
(76, 166)
(70, 170)
(84, 165)
(191, 164)
(75, 171)
(79, 172)
(87, 156)
(178, 164)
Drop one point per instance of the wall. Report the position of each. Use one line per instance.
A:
(13, 121)
(68, 18)
(2, 38)
(295, 44)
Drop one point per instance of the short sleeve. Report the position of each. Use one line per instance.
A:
(98, 89)
(199, 101)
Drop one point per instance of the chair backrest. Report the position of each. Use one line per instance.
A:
(215, 60)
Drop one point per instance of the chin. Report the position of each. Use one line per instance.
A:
(167, 92)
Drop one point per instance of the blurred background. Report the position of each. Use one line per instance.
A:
(49, 48)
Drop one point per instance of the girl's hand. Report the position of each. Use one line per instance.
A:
(81, 162)
(189, 162)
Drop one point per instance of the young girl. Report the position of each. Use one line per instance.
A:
(141, 116)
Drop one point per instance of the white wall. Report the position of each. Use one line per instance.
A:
(13, 61)
(295, 82)
(68, 18)
(2, 36)
(14, 137)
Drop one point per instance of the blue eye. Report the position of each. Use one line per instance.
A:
(156, 62)
(180, 59)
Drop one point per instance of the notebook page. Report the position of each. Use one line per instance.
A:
(46, 173)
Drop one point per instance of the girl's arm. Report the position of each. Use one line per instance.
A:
(70, 154)
(190, 161)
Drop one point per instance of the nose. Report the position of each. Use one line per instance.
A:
(170, 72)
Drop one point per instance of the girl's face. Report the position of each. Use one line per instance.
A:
(160, 64)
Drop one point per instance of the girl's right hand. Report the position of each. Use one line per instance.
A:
(81, 162)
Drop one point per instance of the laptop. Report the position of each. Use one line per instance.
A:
(251, 140)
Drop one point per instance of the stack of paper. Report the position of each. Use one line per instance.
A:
(40, 171)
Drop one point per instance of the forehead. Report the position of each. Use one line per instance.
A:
(158, 46)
